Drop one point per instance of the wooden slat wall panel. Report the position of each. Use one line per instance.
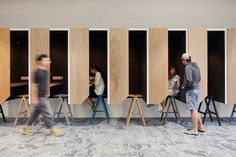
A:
(4, 64)
(158, 65)
(39, 44)
(197, 47)
(119, 65)
(231, 63)
(78, 65)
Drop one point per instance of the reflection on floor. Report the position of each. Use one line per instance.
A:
(111, 140)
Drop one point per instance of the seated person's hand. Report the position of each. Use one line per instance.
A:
(91, 78)
(91, 83)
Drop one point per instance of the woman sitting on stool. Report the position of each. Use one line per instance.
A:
(173, 86)
(98, 83)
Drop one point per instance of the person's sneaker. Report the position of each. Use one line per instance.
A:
(26, 132)
(56, 132)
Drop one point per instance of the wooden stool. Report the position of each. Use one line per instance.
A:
(232, 113)
(208, 100)
(26, 112)
(131, 109)
(104, 106)
(3, 116)
(58, 111)
(171, 102)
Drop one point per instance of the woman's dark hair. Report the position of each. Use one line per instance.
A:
(40, 57)
(94, 66)
(172, 67)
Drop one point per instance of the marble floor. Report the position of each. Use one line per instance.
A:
(83, 139)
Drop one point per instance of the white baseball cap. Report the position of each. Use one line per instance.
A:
(186, 56)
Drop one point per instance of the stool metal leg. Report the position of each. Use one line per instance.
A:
(174, 110)
(206, 111)
(177, 111)
(162, 114)
(208, 101)
(105, 110)
(57, 110)
(64, 109)
(209, 111)
(3, 116)
(95, 109)
(232, 113)
(217, 116)
(69, 108)
(166, 114)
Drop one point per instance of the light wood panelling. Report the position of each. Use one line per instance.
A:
(158, 65)
(39, 44)
(231, 63)
(119, 65)
(197, 48)
(78, 65)
(4, 64)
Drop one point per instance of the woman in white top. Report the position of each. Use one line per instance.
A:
(98, 83)
(173, 86)
(174, 82)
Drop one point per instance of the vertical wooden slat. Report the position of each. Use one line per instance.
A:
(4, 64)
(78, 65)
(39, 44)
(118, 65)
(231, 63)
(158, 65)
(197, 47)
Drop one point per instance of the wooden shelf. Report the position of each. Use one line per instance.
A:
(56, 84)
(18, 84)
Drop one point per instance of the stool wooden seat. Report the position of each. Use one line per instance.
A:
(25, 112)
(63, 103)
(171, 103)
(131, 109)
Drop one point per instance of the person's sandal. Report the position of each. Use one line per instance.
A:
(190, 133)
(202, 131)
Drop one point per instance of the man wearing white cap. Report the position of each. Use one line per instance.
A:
(192, 77)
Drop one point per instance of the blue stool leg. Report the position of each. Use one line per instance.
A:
(232, 114)
(95, 109)
(105, 110)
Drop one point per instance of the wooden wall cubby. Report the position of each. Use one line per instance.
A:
(176, 47)
(216, 65)
(197, 47)
(19, 63)
(118, 65)
(138, 63)
(78, 65)
(158, 65)
(231, 71)
(4, 64)
(39, 44)
(98, 55)
(59, 62)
